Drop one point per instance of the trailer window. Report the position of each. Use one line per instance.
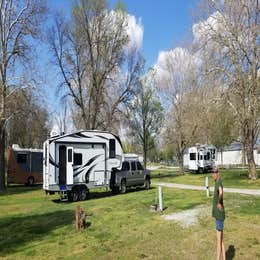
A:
(139, 166)
(69, 155)
(133, 166)
(77, 159)
(125, 166)
(112, 148)
(192, 156)
(21, 158)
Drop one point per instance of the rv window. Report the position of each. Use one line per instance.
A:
(125, 166)
(139, 166)
(69, 155)
(112, 148)
(36, 162)
(133, 166)
(21, 158)
(192, 156)
(77, 159)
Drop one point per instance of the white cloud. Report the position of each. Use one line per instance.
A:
(204, 30)
(175, 62)
(135, 32)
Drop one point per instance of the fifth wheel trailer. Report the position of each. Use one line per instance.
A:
(200, 158)
(74, 163)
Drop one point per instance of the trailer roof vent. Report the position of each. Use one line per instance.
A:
(53, 133)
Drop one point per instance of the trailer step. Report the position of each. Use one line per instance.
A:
(64, 195)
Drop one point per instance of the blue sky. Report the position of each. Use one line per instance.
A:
(166, 24)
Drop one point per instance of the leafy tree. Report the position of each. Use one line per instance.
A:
(145, 114)
(28, 126)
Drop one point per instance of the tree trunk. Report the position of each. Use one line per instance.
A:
(243, 159)
(145, 151)
(180, 161)
(251, 162)
(250, 153)
(2, 157)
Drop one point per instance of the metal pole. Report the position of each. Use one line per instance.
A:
(160, 198)
(207, 186)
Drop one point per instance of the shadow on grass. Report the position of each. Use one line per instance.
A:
(230, 253)
(164, 175)
(17, 189)
(105, 194)
(16, 232)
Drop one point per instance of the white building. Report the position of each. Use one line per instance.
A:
(232, 155)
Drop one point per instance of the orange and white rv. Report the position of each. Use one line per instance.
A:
(24, 166)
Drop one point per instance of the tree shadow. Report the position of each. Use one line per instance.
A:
(18, 189)
(230, 253)
(164, 175)
(16, 231)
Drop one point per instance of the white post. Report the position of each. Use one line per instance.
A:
(207, 186)
(160, 198)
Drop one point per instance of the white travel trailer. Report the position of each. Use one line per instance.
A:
(74, 163)
(200, 158)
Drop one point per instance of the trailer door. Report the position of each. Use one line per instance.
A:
(69, 165)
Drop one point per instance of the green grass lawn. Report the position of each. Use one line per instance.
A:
(235, 178)
(35, 226)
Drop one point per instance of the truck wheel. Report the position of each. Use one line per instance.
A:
(30, 181)
(147, 184)
(73, 196)
(123, 187)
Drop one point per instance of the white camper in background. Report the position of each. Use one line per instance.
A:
(74, 163)
(200, 158)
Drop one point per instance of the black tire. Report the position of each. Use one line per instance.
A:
(83, 193)
(147, 184)
(201, 170)
(30, 181)
(115, 190)
(73, 196)
(123, 187)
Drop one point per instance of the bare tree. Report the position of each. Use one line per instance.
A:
(230, 38)
(90, 52)
(19, 23)
(178, 80)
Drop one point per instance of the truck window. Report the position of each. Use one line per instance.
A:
(133, 166)
(77, 159)
(21, 158)
(139, 166)
(112, 148)
(192, 156)
(125, 166)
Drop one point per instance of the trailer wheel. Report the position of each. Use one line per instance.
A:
(30, 181)
(147, 183)
(123, 187)
(73, 196)
(115, 190)
(201, 170)
(83, 193)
